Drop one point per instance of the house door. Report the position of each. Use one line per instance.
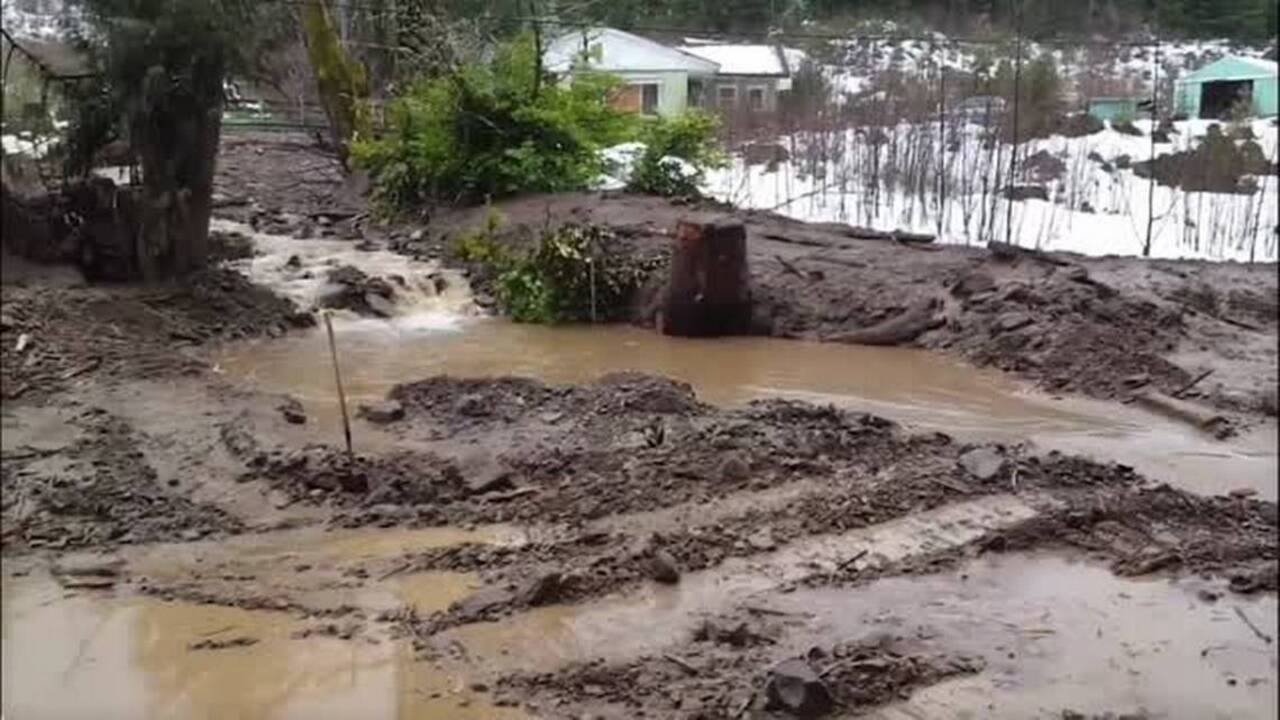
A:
(1217, 98)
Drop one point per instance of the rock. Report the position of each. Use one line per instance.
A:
(762, 540)
(478, 604)
(973, 283)
(417, 235)
(382, 412)
(1025, 192)
(794, 687)
(662, 568)
(89, 566)
(481, 472)
(983, 462)
(293, 262)
(1136, 380)
(734, 469)
(542, 591)
(1243, 492)
(1008, 322)
(379, 305)
(1044, 166)
(292, 411)
(472, 405)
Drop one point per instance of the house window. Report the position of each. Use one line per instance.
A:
(755, 98)
(649, 98)
(727, 95)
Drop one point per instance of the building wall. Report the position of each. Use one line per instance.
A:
(743, 84)
(673, 88)
(1266, 98)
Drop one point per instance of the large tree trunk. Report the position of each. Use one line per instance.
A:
(709, 290)
(178, 148)
(340, 80)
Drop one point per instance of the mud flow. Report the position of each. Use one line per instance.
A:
(603, 522)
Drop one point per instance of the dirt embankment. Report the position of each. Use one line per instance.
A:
(1104, 327)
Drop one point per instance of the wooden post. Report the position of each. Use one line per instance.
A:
(337, 378)
(708, 292)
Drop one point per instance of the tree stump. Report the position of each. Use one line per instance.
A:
(708, 292)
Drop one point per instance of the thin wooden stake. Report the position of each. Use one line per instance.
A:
(337, 379)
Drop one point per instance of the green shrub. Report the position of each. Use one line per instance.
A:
(490, 131)
(689, 138)
(576, 273)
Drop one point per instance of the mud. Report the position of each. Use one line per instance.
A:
(619, 546)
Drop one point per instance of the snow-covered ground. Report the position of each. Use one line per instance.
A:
(39, 19)
(1094, 207)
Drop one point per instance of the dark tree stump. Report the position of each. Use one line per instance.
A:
(709, 291)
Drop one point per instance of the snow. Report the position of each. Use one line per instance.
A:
(1091, 209)
(740, 59)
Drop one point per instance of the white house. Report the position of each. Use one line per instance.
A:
(657, 78)
(663, 80)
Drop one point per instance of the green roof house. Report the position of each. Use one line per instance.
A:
(1211, 91)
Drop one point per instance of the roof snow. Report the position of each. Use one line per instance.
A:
(741, 59)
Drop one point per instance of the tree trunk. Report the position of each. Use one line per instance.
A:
(340, 80)
(178, 148)
(709, 290)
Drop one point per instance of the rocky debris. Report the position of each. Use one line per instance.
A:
(323, 474)
(734, 469)
(364, 295)
(134, 332)
(292, 411)
(106, 494)
(543, 590)
(762, 540)
(796, 688)
(973, 283)
(223, 644)
(381, 413)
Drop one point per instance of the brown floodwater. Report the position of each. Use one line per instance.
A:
(920, 389)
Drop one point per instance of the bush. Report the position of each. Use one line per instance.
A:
(576, 273)
(677, 153)
(493, 130)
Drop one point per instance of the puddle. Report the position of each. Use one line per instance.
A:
(73, 657)
(923, 390)
(1059, 634)
(618, 627)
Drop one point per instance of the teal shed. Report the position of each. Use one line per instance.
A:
(1211, 91)
(1114, 109)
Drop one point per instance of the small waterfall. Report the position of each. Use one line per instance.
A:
(425, 296)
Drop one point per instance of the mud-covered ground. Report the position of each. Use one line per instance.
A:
(121, 440)
(1104, 327)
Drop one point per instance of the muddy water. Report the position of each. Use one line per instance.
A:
(917, 388)
(77, 657)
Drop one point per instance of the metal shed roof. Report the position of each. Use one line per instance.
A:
(1233, 67)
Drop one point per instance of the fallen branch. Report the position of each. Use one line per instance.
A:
(684, 664)
(1006, 251)
(1179, 392)
(858, 556)
(897, 330)
(788, 267)
(1261, 635)
(395, 571)
(1181, 410)
(1239, 323)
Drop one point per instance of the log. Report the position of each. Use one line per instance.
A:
(1005, 251)
(708, 291)
(897, 330)
(1181, 410)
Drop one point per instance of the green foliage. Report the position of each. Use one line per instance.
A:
(490, 130)
(678, 151)
(575, 274)
(481, 246)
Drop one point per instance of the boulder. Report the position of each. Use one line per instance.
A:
(1010, 321)
(972, 283)
(471, 405)
(983, 462)
(292, 411)
(383, 412)
(734, 469)
(481, 473)
(662, 568)
(796, 688)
